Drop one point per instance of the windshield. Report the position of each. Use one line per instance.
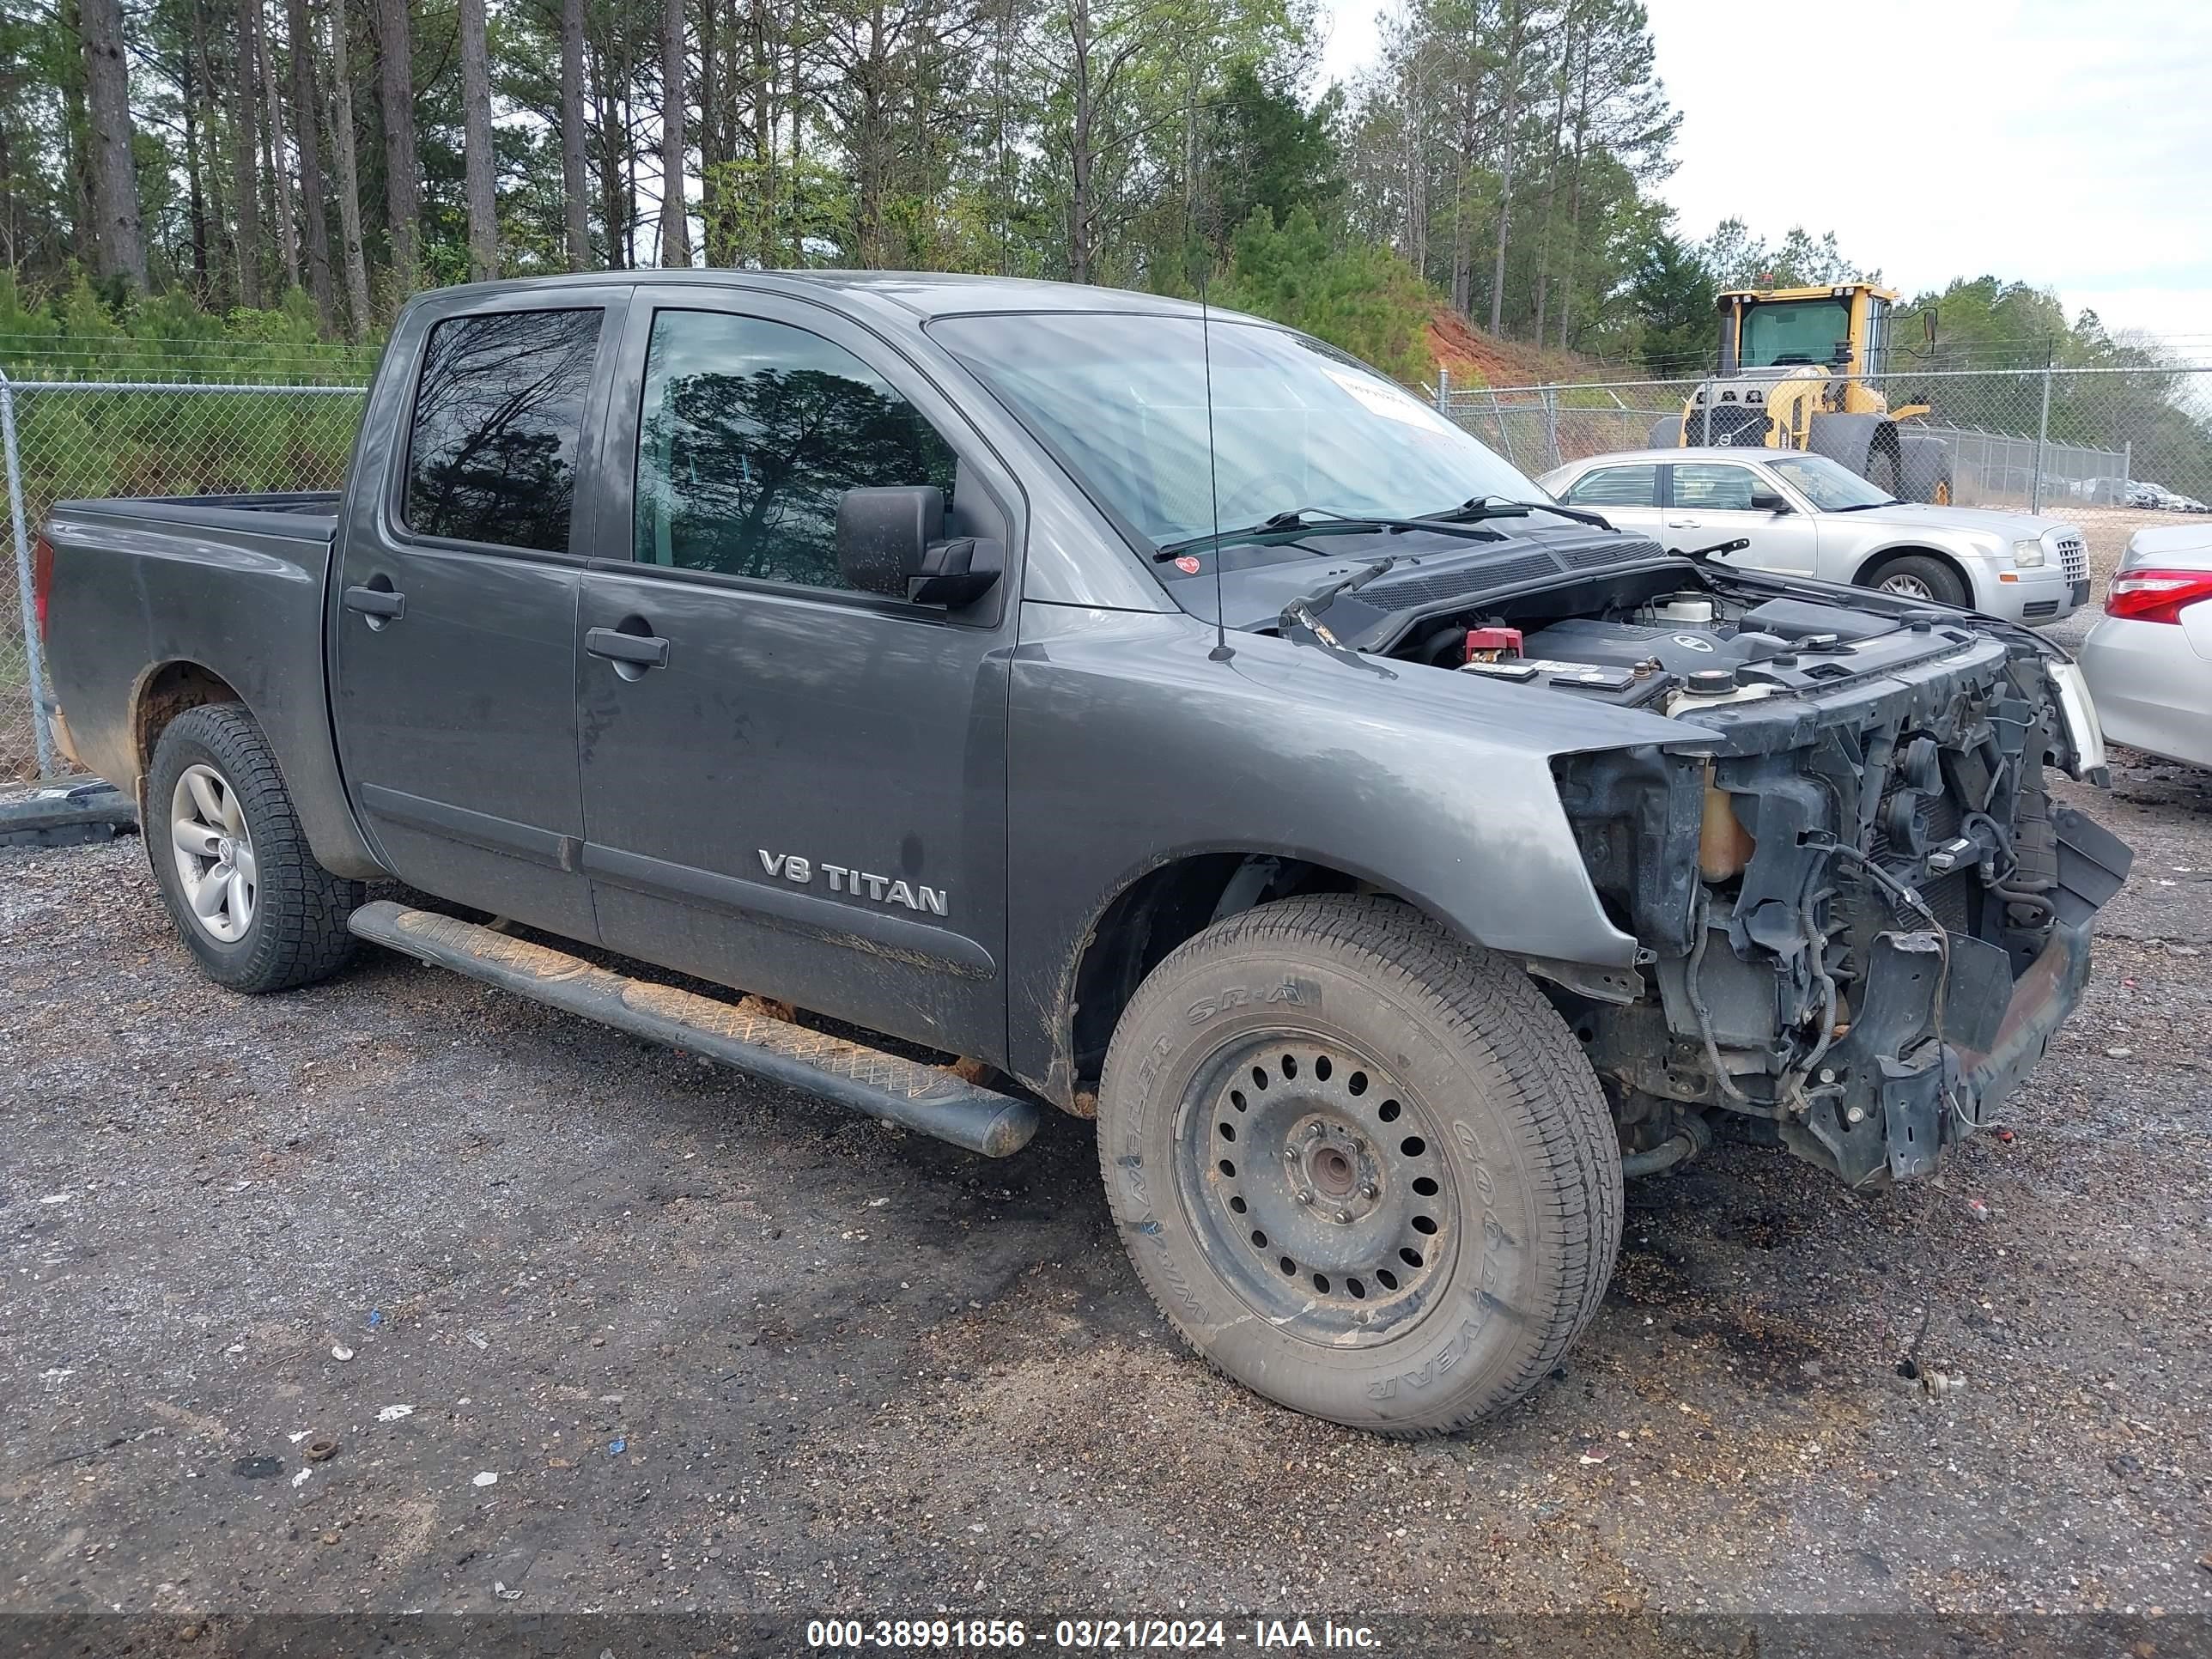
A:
(1829, 486)
(1122, 398)
(1793, 332)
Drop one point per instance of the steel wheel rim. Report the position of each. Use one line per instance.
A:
(214, 853)
(1372, 1242)
(1907, 586)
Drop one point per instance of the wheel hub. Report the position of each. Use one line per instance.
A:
(1314, 1175)
(1334, 1169)
(213, 852)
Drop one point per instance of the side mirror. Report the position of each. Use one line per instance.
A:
(1766, 501)
(891, 541)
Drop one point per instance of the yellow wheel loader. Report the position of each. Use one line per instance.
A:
(1797, 371)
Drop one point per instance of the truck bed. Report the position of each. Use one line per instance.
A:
(305, 514)
(158, 595)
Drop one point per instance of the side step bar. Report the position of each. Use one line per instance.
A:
(929, 1099)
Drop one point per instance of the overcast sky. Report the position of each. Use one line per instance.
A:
(2059, 142)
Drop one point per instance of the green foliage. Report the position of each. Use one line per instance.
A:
(1360, 298)
(1738, 259)
(76, 333)
(1265, 149)
(1674, 296)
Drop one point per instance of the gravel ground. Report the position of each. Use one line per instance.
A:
(724, 1348)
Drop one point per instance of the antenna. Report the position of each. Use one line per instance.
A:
(1221, 651)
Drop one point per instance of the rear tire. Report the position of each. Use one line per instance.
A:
(249, 900)
(1364, 1169)
(1926, 471)
(1919, 576)
(1882, 471)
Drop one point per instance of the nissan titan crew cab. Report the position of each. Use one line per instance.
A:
(1170, 721)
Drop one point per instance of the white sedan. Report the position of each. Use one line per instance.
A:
(1804, 515)
(2148, 661)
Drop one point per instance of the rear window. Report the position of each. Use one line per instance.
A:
(1615, 486)
(499, 416)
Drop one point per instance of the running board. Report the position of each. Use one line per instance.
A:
(929, 1099)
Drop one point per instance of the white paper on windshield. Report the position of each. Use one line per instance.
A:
(1388, 401)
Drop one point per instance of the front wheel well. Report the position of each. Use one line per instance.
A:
(1158, 911)
(1864, 577)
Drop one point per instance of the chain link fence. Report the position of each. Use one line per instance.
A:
(2050, 440)
(70, 439)
(2109, 449)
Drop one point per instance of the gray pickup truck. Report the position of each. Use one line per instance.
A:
(1021, 695)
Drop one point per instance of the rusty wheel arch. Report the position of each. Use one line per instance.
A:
(163, 692)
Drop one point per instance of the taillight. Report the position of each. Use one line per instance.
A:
(42, 577)
(2157, 596)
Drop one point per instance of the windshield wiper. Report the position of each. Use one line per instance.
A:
(1301, 521)
(1863, 507)
(1493, 506)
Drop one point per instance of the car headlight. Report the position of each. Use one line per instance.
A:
(2028, 555)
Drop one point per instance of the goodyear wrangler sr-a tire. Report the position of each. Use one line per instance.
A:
(1365, 1168)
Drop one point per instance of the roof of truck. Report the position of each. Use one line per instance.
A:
(926, 294)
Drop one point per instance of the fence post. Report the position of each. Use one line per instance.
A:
(1444, 392)
(34, 648)
(2042, 441)
(2127, 470)
(1551, 426)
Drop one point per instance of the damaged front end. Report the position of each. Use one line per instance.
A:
(1862, 914)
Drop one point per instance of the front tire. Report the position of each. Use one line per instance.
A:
(249, 900)
(1364, 1169)
(1919, 576)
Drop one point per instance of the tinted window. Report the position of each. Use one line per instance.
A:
(1615, 486)
(753, 432)
(1717, 486)
(498, 416)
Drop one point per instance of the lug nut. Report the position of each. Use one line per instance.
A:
(1306, 1195)
(1313, 1132)
(1371, 1192)
(1344, 1216)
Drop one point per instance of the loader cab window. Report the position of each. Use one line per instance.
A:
(1782, 333)
(1877, 340)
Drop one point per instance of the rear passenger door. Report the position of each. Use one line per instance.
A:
(1628, 495)
(453, 613)
(792, 787)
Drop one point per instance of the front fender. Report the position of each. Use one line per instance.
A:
(1129, 747)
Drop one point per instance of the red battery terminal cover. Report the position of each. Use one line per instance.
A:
(1493, 644)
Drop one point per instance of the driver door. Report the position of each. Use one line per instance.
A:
(791, 787)
(1710, 501)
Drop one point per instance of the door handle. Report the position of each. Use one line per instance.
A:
(380, 605)
(645, 650)
(1682, 524)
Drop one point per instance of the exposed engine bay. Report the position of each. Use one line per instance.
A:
(1860, 913)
